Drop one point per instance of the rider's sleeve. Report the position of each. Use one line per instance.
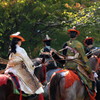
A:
(81, 51)
(26, 57)
(84, 58)
(64, 52)
(27, 61)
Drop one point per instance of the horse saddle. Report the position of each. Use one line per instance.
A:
(89, 82)
(15, 80)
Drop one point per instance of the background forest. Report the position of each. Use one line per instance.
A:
(36, 18)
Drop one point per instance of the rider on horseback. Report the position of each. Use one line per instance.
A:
(21, 66)
(76, 58)
(45, 54)
(90, 49)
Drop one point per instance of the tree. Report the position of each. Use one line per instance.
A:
(36, 18)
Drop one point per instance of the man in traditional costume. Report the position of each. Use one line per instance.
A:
(76, 58)
(45, 53)
(21, 66)
(90, 49)
(52, 65)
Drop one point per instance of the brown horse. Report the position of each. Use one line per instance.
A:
(76, 91)
(6, 89)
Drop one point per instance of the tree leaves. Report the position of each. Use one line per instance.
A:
(36, 18)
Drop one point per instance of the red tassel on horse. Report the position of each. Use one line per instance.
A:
(20, 95)
(41, 97)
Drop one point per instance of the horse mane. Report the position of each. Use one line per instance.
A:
(54, 85)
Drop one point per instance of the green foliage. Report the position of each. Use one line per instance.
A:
(36, 18)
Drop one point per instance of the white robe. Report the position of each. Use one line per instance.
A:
(16, 69)
(26, 59)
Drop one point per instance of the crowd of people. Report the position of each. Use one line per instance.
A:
(75, 55)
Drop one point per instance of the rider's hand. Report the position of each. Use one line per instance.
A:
(45, 64)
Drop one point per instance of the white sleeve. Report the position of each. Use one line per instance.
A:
(25, 56)
(28, 62)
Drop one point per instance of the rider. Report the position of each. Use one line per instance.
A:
(75, 55)
(21, 66)
(90, 49)
(45, 54)
(78, 47)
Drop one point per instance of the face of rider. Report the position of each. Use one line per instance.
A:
(89, 42)
(47, 43)
(19, 43)
(72, 34)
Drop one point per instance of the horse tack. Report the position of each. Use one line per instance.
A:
(92, 96)
(69, 80)
(16, 83)
(69, 76)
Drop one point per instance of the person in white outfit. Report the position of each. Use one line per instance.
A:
(17, 59)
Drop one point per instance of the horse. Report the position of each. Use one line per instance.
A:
(95, 61)
(7, 88)
(60, 91)
(66, 85)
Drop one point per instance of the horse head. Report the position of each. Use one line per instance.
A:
(40, 69)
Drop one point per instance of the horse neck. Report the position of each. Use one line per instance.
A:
(40, 69)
